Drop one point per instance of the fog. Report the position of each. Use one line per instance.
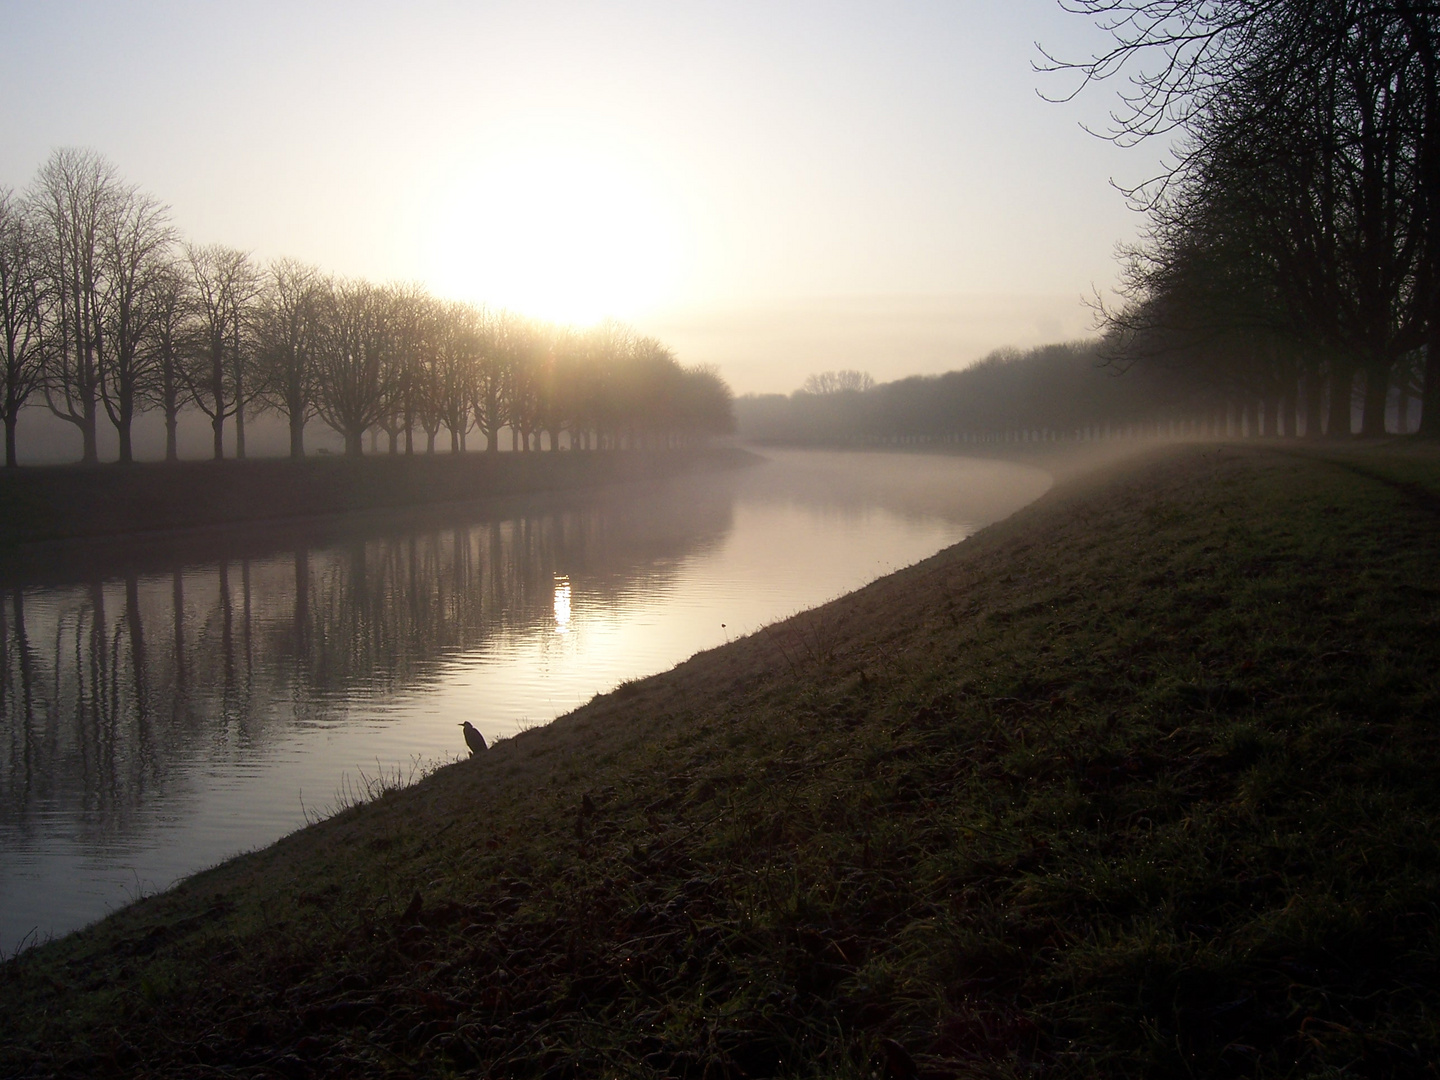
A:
(771, 347)
(44, 439)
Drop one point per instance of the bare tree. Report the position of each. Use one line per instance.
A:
(708, 405)
(223, 281)
(492, 375)
(72, 195)
(458, 336)
(21, 279)
(412, 323)
(522, 349)
(1320, 121)
(838, 382)
(134, 239)
(286, 330)
(171, 309)
(610, 346)
(356, 361)
(428, 380)
(552, 400)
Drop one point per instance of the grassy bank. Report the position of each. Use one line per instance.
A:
(46, 503)
(1139, 782)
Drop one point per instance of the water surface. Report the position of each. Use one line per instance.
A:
(166, 705)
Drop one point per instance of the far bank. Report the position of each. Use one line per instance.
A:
(66, 502)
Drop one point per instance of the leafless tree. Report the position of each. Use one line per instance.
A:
(839, 382)
(356, 360)
(286, 327)
(99, 313)
(1315, 126)
(458, 335)
(135, 237)
(413, 325)
(707, 406)
(610, 345)
(492, 374)
(223, 282)
(171, 307)
(70, 200)
(427, 380)
(520, 350)
(21, 282)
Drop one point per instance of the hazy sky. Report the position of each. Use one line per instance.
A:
(776, 188)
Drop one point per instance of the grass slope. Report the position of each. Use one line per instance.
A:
(1139, 782)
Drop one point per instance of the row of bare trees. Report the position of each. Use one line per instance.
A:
(104, 310)
(1292, 254)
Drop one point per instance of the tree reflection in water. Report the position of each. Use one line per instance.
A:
(96, 718)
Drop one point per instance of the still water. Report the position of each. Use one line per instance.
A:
(165, 706)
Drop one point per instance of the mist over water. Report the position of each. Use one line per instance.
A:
(164, 707)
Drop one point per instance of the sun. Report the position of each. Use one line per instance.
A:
(567, 233)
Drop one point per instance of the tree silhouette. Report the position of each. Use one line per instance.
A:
(21, 317)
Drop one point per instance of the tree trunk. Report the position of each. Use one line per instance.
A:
(10, 421)
(218, 427)
(172, 442)
(240, 432)
(122, 429)
(355, 443)
(297, 435)
(89, 441)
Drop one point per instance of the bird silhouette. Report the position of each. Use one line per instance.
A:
(473, 738)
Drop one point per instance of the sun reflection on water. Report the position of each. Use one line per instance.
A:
(562, 604)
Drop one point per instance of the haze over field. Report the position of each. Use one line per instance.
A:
(772, 189)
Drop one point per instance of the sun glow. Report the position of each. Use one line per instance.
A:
(562, 604)
(564, 232)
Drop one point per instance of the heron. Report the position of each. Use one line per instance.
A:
(473, 738)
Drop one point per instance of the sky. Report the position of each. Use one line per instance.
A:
(775, 188)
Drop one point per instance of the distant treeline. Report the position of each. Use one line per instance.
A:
(1292, 257)
(105, 314)
(1058, 391)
